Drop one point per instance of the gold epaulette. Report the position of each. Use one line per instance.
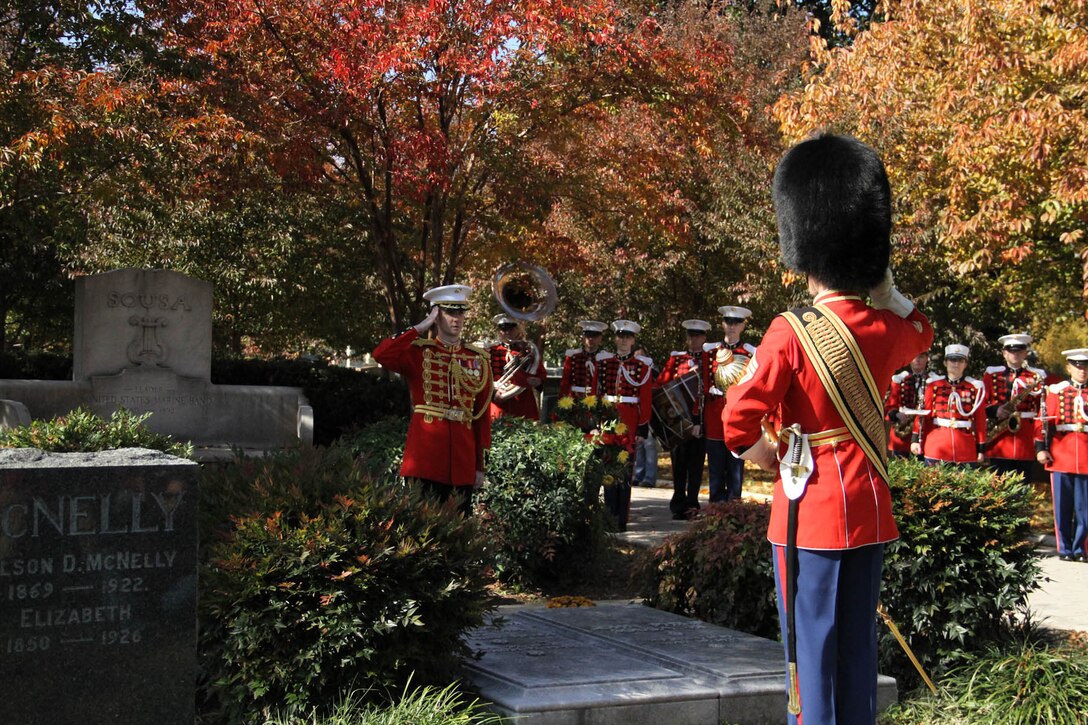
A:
(425, 341)
(478, 350)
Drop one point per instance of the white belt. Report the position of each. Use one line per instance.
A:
(579, 389)
(1071, 427)
(621, 398)
(949, 423)
(1027, 415)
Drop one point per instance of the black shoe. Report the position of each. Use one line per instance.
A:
(680, 517)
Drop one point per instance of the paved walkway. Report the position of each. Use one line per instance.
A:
(1059, 603)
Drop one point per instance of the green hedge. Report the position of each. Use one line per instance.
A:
(542, 522)
(83, 431)
(963, 564)
(719, 570)
(317, 581)
(955, 581)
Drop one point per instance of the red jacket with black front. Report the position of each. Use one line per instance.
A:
(451, 390)
(846, 503)
(1003, 383)
(907, 391)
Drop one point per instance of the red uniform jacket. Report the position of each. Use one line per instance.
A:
(628, 382)
(907, 391)
(682, 362)
(1002, 383)
(715, 399)
(450, 389)
(579, 373)
(523, 404)
(954, 430)
(1064, 429)
(846, 503)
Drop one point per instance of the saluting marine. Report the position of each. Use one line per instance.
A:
(579, 377)
(1062, 443)
(516, 367)
(626, 380)
(687, 457)
(450, 386)
(1013, 393)
(953, 428)
(725, 471)
(904, 403)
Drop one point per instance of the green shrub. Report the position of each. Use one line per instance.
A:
(963, 564)
(342, 399)
(379, 447)
(423, 706)
(323, 581)
(1020, 683)
(83, 431)
(539, 519)
(719, 570)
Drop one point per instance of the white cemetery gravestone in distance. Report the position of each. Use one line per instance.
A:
(143, 342)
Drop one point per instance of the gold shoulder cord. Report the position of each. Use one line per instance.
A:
(465, 382)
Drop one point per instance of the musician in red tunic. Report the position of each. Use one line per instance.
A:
(904, 397)
(1062, 443)
(953, 428)
(626, 379)
(688, 456)
(517, 369)
(450, 386)
(579, 377)
(1013, 393)
(726, 471)
(828, 529)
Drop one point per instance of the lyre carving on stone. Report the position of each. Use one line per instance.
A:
(145, 348)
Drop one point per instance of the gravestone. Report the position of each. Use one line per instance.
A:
(626, 664)
(98, 569)
(143, 342)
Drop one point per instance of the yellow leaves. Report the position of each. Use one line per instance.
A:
(1072, 237)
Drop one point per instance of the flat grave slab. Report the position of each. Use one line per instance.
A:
(621, 663)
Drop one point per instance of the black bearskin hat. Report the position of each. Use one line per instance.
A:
(833, 203)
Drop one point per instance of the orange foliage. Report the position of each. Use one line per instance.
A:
(978, 107)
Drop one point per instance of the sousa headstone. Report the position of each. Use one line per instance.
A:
(98, 561)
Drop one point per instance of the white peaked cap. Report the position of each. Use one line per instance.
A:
(503, 319)
(1014, 340)
(1077, 353)
(626, 326)
(450, 295)
(700, 325)
(731, 311)
(961, 350)
(592, 326)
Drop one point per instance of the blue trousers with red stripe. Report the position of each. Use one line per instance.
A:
(1070, 493)
(835, 612)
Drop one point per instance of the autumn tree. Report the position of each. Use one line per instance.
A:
(450, 129)
(978, 109)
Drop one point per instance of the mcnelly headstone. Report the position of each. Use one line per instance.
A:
(98, 562)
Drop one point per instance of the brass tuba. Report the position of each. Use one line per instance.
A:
(524, 291)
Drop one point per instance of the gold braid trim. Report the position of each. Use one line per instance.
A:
(838, 362)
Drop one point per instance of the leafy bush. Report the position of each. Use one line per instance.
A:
(83, 431)
(322, 581)
(379, 448)
(538, 517)
(342, 399)
(719, 570)
(423, 706)
(962, 566)
(1021, 683)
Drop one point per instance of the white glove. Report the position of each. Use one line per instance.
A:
(886, 297)
(426, 322)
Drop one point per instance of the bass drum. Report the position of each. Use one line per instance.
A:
(671, 420)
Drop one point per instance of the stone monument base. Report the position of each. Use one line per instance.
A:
(626, 664)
